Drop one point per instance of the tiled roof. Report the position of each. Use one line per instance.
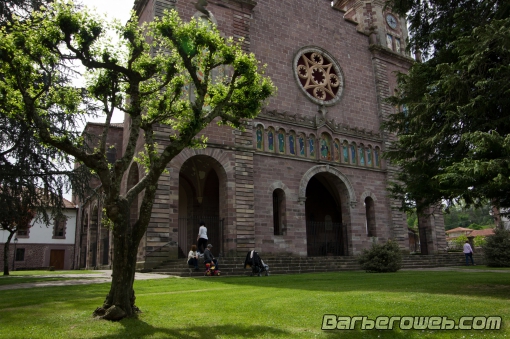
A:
(459, 229)
(485, 232)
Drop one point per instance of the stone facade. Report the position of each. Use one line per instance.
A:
(306, 177)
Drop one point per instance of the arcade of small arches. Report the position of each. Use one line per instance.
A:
(323, 148)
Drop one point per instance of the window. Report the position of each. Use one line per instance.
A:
(370, 217)
(279, 214)
(301, 145)
(353, 154)
(23, 232)
(270, 140)
(111, 154)
(311, 146)
(292, 144)
(389, 41)
(20, 254)
(345, 152)
(59, 229)
(397, 45)
(369, 156)
(361, 151)
(260, 138)
(281, 141)
(376, 157)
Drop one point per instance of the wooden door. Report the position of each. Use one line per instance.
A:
(57, 259)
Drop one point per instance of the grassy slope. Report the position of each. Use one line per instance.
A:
(289, 306)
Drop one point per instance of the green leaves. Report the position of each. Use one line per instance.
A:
(451, 138)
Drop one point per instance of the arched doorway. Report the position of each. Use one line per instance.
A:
(326, 224)
(200, 199)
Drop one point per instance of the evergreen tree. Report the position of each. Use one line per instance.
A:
(453, 127)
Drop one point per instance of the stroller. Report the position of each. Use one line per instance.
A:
(256, 264)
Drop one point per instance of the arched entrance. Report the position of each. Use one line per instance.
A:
(328, 195)
(200, 199)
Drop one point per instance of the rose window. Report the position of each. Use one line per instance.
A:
(318, 75)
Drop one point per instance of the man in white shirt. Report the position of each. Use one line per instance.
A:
(468, 252)
(202, 237)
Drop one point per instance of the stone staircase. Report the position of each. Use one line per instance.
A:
(234, 266)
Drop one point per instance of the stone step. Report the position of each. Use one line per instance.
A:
(234, 266)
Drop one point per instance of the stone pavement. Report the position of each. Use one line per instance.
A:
(103, 276)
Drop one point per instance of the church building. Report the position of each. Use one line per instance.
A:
(307, 176)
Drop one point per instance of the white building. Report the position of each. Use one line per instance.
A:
(42, 246)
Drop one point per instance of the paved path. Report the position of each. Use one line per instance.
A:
(103, 276)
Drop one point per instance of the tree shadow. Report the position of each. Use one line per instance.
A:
(137, 328)
(481, 284)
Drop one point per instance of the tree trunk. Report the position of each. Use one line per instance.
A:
(120, 301)
(6, 253)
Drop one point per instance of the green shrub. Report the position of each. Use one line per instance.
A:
(497, 248)
(381, 258)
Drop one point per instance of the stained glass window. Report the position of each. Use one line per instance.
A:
(292, 145)
(301, 144)
(369, 156)
(311, 146)
(345, 152)
(353, 153)
(260, 138)
(361, 151)
(281, 142)
(270, 140)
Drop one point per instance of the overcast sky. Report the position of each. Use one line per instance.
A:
(119, 9)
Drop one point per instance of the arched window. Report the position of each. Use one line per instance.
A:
(301, 145)
(281, 141)
(361, 151)
(369, 157)
(260, 138)
(376, 157)
(370, 217)
(345, 152)
(279, 213)
(353, 154)
(325, 147)
(292, 143)
(311, 146)
(270, 139)
(337, 150)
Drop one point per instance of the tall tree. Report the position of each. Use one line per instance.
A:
(453, 126)
(33, 176)
(147, 80)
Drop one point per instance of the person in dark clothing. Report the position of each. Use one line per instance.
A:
(208, 257)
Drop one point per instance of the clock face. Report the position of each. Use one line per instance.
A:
(391, 20)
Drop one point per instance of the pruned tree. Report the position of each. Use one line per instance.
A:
(147, 80)
(453, 127)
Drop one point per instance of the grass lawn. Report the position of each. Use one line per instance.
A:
(20, 277)
(484, 267)
(24, 273)
(290, 306)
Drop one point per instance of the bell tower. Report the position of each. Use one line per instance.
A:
(385, 28)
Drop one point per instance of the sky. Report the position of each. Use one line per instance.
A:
(119, 9)
(114, 9)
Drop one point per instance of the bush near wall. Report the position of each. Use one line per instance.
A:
(497, 248)
(381, 258)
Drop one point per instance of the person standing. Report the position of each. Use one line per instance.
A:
(202, 237)
(468, 252)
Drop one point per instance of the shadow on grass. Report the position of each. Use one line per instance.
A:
(482, 284)
(136, 328)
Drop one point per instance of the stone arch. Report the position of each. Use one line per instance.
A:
(188, 187)
(366, 194)
(326, 169)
